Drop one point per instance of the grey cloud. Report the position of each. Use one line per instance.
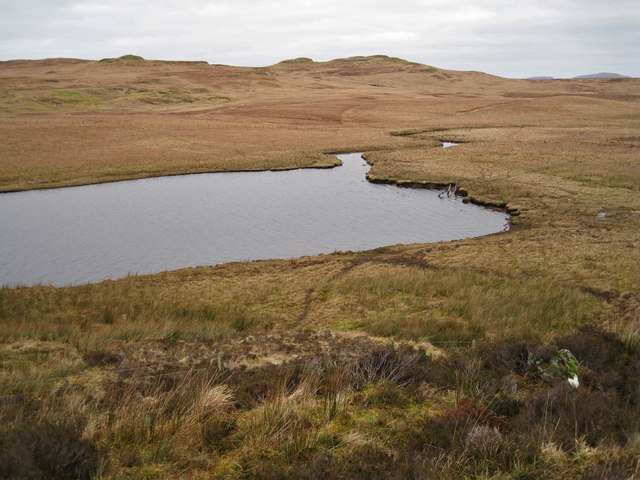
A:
(510, 38)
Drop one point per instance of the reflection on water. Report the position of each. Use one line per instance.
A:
(91, 233)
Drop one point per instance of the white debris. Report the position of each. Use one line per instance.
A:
(573, 381)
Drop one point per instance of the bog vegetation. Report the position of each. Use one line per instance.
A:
(448, 360)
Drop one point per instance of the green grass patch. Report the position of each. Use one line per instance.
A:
(458, 305)
(74, 97)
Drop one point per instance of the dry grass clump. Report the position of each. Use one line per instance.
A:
(625, 320)
(162, 418)
(285, 417)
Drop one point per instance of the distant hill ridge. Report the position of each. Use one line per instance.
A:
(356, 65)
(602, 75)
(590, 75)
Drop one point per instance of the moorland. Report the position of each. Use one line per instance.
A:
(446, 360)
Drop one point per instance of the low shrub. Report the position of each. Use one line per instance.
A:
(46, 449)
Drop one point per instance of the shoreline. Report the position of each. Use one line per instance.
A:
(460, 191)
(176, 174)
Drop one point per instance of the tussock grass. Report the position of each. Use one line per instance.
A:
(457, 305)
(91, 315)
(284, 417)
(27, 364)
(407, 302)
(388, 411)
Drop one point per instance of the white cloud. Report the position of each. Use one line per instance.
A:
(511, 38)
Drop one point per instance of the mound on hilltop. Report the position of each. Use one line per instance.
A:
(296, 61)
(374, 58)
(371, 59)
(357, 65)
(124, 58)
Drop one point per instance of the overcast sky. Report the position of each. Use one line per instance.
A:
(512, 38)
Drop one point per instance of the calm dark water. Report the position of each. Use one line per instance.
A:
(91, 233)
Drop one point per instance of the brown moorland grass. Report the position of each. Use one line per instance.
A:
(284, 116)
(409, 361)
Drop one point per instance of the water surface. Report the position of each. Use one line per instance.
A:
(86, 234)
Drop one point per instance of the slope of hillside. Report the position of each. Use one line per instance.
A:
(68, 121)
